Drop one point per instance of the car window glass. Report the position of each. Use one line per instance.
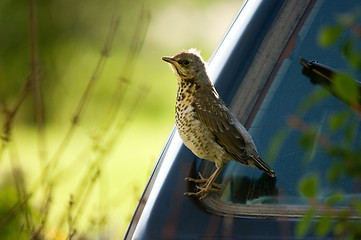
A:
(279, 100)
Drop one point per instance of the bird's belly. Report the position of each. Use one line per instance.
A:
(197, 137)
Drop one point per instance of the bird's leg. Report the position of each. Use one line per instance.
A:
(207, 186)
(202, 180)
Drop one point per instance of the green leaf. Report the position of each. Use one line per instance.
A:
(348, 47)
(307, 140)
(339, 228)
(323, 226)
(352, 53)
(357, 205)
(350, 132)
(335, 172)
(329, 35)
(337, 197)
(345, 88)
(305, 223)
(276, 144)
(338, 119)
(309, 186)
(354, 60)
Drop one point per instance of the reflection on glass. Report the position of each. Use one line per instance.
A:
(288, 89)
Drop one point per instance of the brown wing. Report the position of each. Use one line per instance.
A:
(230, 133)
(219, 120)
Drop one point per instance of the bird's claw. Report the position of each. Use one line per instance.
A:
(202, 193)
(205, 188)
(202, 180)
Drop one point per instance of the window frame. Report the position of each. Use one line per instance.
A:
(249, 96)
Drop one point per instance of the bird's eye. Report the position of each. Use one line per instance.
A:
(185, 62)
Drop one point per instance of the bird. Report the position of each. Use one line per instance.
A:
(205, 124)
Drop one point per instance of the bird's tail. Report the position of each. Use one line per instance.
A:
(261, 165)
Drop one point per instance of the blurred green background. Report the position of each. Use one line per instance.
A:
(73, 167)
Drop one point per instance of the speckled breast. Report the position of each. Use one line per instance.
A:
(195, 135)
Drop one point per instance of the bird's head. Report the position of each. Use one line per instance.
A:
(187, 64)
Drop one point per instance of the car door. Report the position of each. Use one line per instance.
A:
(257, 72)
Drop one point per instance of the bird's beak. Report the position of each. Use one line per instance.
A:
(168, 59)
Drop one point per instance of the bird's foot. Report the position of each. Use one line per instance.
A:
(203, 192)
(206, 187)
(202, 180)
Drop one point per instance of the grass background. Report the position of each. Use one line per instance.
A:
(91, 186)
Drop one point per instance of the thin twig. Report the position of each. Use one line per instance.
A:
(13, 211)
(136, 45)
(85, 97)
(101, 143)
(21, 189)
(34, 80)
(72, 230)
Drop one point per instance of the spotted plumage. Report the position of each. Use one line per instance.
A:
(205, 124)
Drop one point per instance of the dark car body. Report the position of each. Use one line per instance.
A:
(256, 71)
